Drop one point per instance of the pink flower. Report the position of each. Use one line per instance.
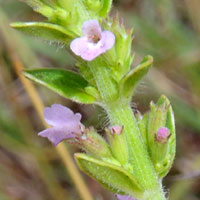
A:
(65, 124)
(122, 197)
(116, 130)
(162, 135)
(94, 42)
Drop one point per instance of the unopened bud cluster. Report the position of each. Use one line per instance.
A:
(158, 131)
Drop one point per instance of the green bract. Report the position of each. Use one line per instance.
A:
(129, 82)
(105, 7)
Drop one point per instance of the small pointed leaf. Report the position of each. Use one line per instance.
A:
(66, 83)
(142, 125)
(113, 177)
(44, 30)
(105, 8)
(129, 82)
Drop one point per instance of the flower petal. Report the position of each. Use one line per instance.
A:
(79, 45)
(59, 116)
(122, 197)
(94, 42)
(91, 27)
(93, 50)
(107, 40)
(66, 124)
(88, 50)
(56, 135)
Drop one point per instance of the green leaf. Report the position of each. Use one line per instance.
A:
(111, 176)
(129, 82)
(44, 30)
(105, 8)
(66, 83)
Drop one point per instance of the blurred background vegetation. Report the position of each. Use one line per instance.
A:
(169, 30)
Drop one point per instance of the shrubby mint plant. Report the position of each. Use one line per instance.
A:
(140, 149)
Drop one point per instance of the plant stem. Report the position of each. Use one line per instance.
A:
(138, 156)
(132, 147)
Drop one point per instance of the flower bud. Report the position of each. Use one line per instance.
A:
(161, 135)
(116, 140)
(116, 130)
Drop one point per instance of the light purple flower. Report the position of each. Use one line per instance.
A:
(162, 135)
(94, 41)
(123, 197)
(65, 124)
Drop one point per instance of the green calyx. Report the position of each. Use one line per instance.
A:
(162, 153)
(119, 58)
(94, 144)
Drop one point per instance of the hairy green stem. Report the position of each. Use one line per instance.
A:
(142, 167)
(132, 149)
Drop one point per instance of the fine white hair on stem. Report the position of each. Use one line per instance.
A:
(106, 123)
(60, 45)
(103, 120)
